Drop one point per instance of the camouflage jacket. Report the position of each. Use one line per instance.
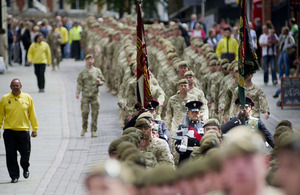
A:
(86, 82)
(176, 110)
(161, 151)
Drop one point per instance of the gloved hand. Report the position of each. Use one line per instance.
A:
(241, 114)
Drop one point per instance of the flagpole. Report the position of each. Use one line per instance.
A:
(242, 56)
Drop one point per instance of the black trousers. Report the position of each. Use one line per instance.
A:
(39, 70)
(16, 141)
(62, 48)
(75, 50)
(184, 156)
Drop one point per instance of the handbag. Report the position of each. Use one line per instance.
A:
(291, 51)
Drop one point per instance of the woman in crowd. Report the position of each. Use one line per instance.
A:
(285, 42)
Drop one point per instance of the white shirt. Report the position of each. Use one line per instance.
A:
(264, 39)
(253, 36)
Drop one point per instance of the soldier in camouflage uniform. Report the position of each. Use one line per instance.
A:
(157, 146)
(181, 67)
(216, 77)
(179, 42)
(190, 76)
(108, 56)
(53, 39)
(88, 81)
(225, 99)
(256, 93)
(176, 111)
(226, 68)
(248, 150)
(207, 85)
(116, 47)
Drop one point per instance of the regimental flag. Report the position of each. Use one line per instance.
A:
(143, 80)
(248, 63)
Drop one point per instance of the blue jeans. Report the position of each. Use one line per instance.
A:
(284, 58)
(278, 91)
(269, 59)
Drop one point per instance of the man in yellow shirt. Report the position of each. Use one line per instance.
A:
(18, 112)
(39, 54)
(74, 40)
(227, 47)
(65, 37)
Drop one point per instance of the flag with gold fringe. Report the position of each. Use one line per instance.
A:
(143, 80)
(248, 61)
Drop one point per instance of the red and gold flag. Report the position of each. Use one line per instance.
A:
(143, 79)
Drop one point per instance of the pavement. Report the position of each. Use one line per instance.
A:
(60, 158)
(291, 113)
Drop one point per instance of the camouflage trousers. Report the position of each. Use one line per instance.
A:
(109, 79)
(86, 102)
(56, 55)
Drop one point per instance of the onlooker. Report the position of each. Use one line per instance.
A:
(17, 110)
(227, 46)
(198, 32)
(201, 21)
(64, 34)
(294, 29)
(253, 36)
(3, 46)
(74, 40)
(39, 54)
(268, 54)
(258, 30)
(44, 30)
(212, 41)
(286, 41)
(35, 31)
(68, 25)
(26, 39)
(220, 35)
(18, 42)
(235, 33)
(193, 22)
(10, 43)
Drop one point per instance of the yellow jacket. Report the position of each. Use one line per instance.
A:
(233, 47)
(64, 34)
(75, 34)
(17, 112)
(39, 53)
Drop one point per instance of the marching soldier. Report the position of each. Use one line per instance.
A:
(245, 164)
(190, 77)
(257, 94)
(54, 39)
(152, 144)
(88, 82)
